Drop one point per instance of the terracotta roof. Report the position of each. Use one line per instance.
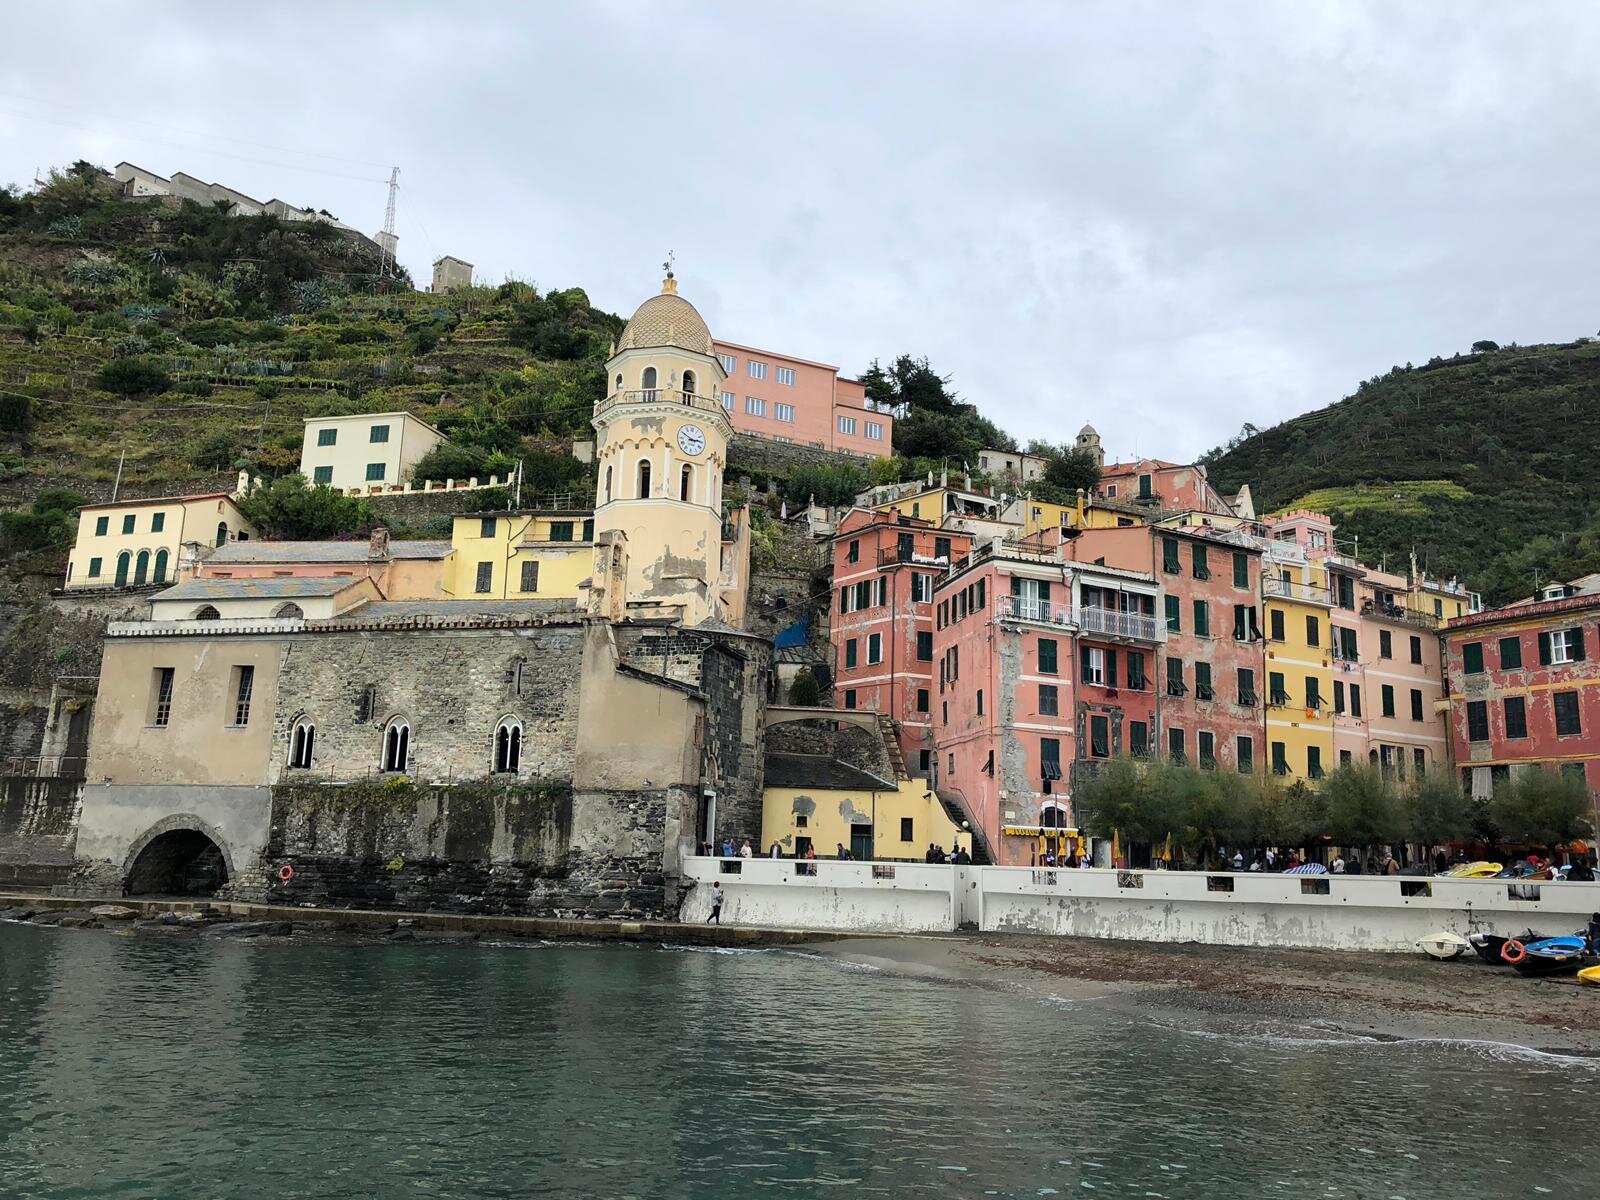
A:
(666, 320)
(228, 496)
(258, 589)
(1521, 612)
(322, 552)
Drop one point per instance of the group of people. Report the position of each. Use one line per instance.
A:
(936, 854)
(1070, 859)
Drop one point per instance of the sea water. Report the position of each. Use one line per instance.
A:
(214, 1069)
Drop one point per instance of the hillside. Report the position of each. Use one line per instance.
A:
(1482, 463)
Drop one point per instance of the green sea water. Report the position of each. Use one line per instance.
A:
(213, 1069)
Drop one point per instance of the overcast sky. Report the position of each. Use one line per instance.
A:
(1167, 219)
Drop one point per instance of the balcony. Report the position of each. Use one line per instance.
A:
(1289, 589)
(1102, 621)
(708, 404)
(896, 556)
(1406, 616)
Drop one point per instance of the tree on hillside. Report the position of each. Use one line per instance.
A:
(1484, 346)
(910, 382)
(287, 508)
(1071, 469)
(134, 378)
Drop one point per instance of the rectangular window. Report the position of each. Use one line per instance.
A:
(980, 702)
(863, 594)
(1313, 762)
(1510, 653)
(322, 475)
(875, 430)
(1138, 739)
(1387, 696)
(1050, 758)
(1416, 649)
(1202, 681)
(1201, 568)
(783, 412)
(922, 700)
(850, 698)
(1093, 667)
(924, 760)
(1385, 644)
(1561, 646)
(1247, 687)
(1355, 699)
(1346, 588)
(101, 524)
(853, 553)
(530, 577)
(1202, 619)
(128, 523)
(850, 653)
(327, 437)
(161, 695)
(1175, 743)
(1175, 685)
(1344, 643)
(1419, 760)
(1472, 657)
(727, 400)
(756, 370)
(1313, 693)
(1338, 696)
(1567, 721)
(1275, 624)
(375, 472)
(244, 682)
(728, 362)
(1246, 749)
(1280, 758)
(380, 433)
(1174, 614)
(754, 406)
(485, 579)
(1100, 737)
(486, 527)
(1477, 721)
(924, 645)
(880, 591)
(1136, 677)
(1047, 656)
(1416, 705)
(875, 652)
(1516, 711)
(786, 376)
(1205, 748)
(1169, 556)
(588, 530)
(847, 425)
(1049, 700)
(94, 568)
(1241, 569)
(1144, 487)
(1313, 630)
(941, 549)
(158, 522)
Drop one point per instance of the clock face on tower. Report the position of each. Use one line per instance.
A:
(691, 439)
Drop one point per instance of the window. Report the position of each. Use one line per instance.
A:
(1338, 696)
(507, 746)
(1244, 623)
(94, 568)
(924, 760)
(375, 472)
(1275, 624)
(980, 702)
(850, 653)
(158, 522)
(1277, 690)
(396, 745)
(924, 645)
(1567, 721)
(921, 588)
(880, 591)
(1047, 656)
(875, 653)
(128, 522)
(1174, 608)
(327, 437)
(853, 552)
(1477, 721)
(1387, 700)
(530, 577)
(101, 525)
(1245, 747)
(1313, 630)
(644, 480)
(756, 370)
(560, 531)
(1472, 656)
(1201, 568)
(486, 527)
(1241, 569)
(1202, 681)
(1419, 760)
(1280, 759)
(1344, 643)
(727, 401)
(322, 475)
(378, 433)
(783, 412)
(1175, 743)
(1175, 685)
(1561, 646)
(689, 384)
(1094, 665)
(1100, 737)
(941, 548)
(222, 533)
(1313, 762)
(685, 485)
(1385, 644)
(1516, 713)
(1144, 487)
(728, 362)
(754, 406)
(1247, 687)
(1202, 619)
(1355, 699)
(1416, 649)
(922, 700)
(161, 696)
(1049, 759)
(1049, 700)
(1169, 556)
(244, 682)
(1138, 739)
(1136, 677)
(302, 741)
(485, 578)
(847, 425)
(1510, 653)
(1416, 704)
(875, 430)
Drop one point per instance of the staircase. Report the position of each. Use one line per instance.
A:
(958, 813)
(889, 730)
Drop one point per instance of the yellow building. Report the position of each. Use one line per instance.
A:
(369, 452)
(544, 555)
(131, 543)
(1298, 688)
(816, 802)
(1040, 516)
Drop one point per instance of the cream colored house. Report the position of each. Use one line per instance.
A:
(450, 273)
(546, 555)
(132, 543)
(314, 598)
(369, 452)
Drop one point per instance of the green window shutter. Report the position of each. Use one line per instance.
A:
(1241, 569)
(1472, 655)
(1169, 556)
(1111, 668)
(1577, 644)
(1174, 614)
(1202, 619)
(1544, 652)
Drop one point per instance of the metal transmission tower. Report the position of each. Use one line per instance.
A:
(387, 239)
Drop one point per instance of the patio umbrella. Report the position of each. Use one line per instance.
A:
(1307, 869)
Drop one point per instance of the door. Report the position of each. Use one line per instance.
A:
(861, 842)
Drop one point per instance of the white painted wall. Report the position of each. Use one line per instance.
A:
(1360, 912)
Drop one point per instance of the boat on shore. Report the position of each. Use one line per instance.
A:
(1549, 956)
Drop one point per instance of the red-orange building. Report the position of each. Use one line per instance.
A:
(790, 399)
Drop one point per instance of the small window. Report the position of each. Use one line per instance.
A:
(486, 527)
(161, 696)
(94, 568)
(1477, 721)
(507, 747)
(1416, 704)
(756, 370)
(244, 682)
(1202, 619)
(875, 655)
(785, 376)
(1047, 656)
(376, 472)
(875, 431)
(688, 383)
(1387, 696)
(1275, 624)
(1385, 644)
(378, 433)
(847, 425)
(980, 702)
(485, 578)
(1472, 658)
(560, 531)
(1313, 630)
(755, 406)
(302, 743)
(396, 745)
(327, 437)
(158, 522)
(128, 522)
(1049, 700)
(644, 480)
(1245, 747)
(1510, 653)
(101, 525)
(728, 362)
(322, 475)
(1241, 569)
(850, 698)
(530, 577)
(783, 412)
(1516, 714)
(1567, 719)
(922, 700)
(907, 829)
(1416, 650)
(924, 646)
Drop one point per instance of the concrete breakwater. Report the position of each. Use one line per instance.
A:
(1332, 912)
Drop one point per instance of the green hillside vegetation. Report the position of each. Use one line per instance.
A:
(1482, 463)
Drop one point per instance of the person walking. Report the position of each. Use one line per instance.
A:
(776, 851)
(844, 855)
(745, 851)
(716, 904)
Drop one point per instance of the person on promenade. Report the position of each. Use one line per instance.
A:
(727, 848)
(1582, 871)
(716, 904)
(744, 850)
(1391, 865)
(811, 853)
(932, 856)
(961, 858)
(1336, 867)
(1238, 860)
(843, 855)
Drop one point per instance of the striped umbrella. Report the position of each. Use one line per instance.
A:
(1307, 869)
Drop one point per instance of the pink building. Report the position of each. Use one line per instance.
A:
(788, 399)
(1170, 486)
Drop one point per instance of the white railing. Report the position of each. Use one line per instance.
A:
(1291, 589)
(1104, 621)
(1027, 608)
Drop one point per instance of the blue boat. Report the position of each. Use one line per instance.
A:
(1553, 956)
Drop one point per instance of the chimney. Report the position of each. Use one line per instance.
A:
(379, 547)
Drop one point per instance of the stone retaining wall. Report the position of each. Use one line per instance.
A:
(38, 829)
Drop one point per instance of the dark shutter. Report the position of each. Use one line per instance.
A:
(1577, 644)
(1083, 663)
(1044, 592)
(1111, 668)
(1544, 649)
(1016, 585)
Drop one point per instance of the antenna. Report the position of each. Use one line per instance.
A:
(387, 239)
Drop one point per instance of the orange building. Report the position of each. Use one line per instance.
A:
(796, 400)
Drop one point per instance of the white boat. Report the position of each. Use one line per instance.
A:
(1443, 945)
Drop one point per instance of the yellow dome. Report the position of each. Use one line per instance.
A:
(666, 320)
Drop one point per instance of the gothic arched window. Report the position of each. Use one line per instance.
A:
(644, 480)
(508, 746)
(396, 745)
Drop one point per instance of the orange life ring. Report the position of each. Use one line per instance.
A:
(285, 873)
(1513, 952)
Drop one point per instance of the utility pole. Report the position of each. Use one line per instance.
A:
(117, 485)
(387, 239)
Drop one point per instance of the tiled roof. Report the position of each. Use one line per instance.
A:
(821, 772)
(666, 320)
(321, 552)
(389, 610)
(250, 589)
(157, 500)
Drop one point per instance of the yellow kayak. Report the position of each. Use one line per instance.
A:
(1590, 975)
(1475, 870)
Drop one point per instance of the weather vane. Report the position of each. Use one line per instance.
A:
(667, 266)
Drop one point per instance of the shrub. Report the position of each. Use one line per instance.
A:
(287, 508)
(805, 692)
(134, 377)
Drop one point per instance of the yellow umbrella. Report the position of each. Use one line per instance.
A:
(1116, 848)
(1166, 855)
